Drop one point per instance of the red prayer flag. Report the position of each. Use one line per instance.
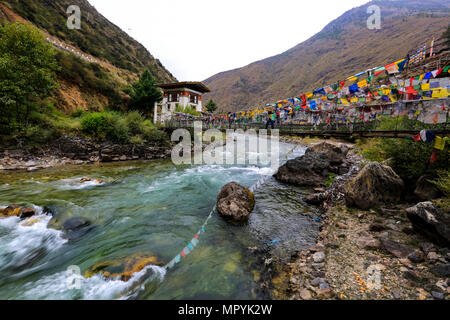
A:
(417, 138)
(411, 90)
(434, 157)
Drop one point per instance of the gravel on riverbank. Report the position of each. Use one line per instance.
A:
(365, 255)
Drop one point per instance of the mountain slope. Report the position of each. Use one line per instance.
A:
(97, 36)
(343, 48)
(118, 59)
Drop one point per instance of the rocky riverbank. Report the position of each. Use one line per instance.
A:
(372, 244)
(78, 150)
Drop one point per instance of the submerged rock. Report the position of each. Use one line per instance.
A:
(336, 153)
(75, 228)
(308, 170)
(123, 269)
(431, 222)
(76, 223)
(374, 185)
(235, 202)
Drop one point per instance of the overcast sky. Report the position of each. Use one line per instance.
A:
(196, 39)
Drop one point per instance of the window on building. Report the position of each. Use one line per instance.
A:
(173, 97)
(194, 98)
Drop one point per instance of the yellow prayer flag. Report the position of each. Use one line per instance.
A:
(362, 83)
(439, 143)
(444, 93)
(425, 86)
(354, 100)
(437, 93)
(352, 78)
(309, 95)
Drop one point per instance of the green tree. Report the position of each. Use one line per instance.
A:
(144, 93)
(27, 73)
(211, 106)
(446, 36)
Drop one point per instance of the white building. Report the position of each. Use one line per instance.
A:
(183, 94)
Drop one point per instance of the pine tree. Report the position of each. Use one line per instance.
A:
(144, 93)
(211, 106)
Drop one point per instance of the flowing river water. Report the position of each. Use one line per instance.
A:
(150, 209)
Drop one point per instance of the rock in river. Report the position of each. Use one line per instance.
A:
(336, 154)
(374, 185)
(431, 222)
(308, 170)
(16, 211)
(235, 202)
(75, 228)
(123, 269)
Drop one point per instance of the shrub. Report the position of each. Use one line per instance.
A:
(77, 113)
(121, 128)
(156, 136)
(94, 124)
(409, 159)
(331, 178)
(443, 181)
(116, 128)
(135, 123)
(118, 131)
(370, 149)
(137, 140)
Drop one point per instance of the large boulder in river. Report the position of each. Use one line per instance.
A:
(235, 202)
(374, 185)
(430, 222)
(308, 170)
(425, 190)
(336, 153)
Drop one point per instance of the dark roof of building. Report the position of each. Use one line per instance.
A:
(197, 86)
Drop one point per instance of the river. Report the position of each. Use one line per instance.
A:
(150, 209)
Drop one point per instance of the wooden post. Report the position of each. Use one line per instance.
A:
(155, 115)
